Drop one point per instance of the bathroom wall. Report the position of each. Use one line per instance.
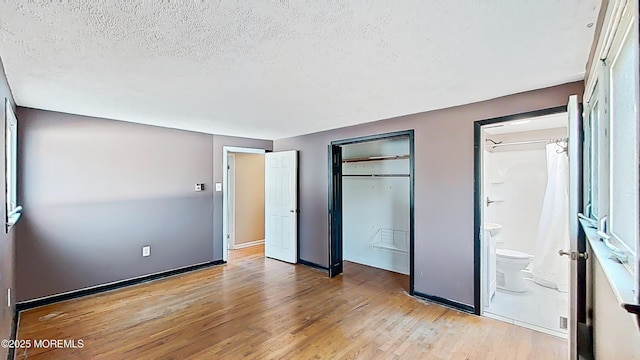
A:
(376, 209)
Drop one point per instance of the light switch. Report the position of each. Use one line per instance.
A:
(218, 186)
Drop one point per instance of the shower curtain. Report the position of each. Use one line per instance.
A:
(550, 269)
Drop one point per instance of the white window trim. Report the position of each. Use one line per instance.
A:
(623, 28)
(13, 210)
(623, 277)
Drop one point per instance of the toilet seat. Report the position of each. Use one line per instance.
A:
(512, 254)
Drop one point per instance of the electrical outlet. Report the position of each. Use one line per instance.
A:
(146, 251)
(199, 187)
(564, 323)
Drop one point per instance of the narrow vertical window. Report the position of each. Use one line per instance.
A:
(624, 142)
(11, 170)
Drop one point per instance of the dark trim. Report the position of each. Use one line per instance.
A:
(632, 308)
(445, 302)
(313, 265)
(298, 207)
(410, 134)
(412, 222)
(377, 175)
(477, 211)
(385, 136)
(330, 206)
(585, 341)
(477, 191)
(21, 306)
(14, 329)
(536, 113)
(336, 259)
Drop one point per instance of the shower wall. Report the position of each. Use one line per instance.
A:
(516, 177)
(518, 180)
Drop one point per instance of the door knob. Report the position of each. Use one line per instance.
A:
(574, 255)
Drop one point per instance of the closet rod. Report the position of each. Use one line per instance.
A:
(376, 158)
(377, 175)
(550, 141)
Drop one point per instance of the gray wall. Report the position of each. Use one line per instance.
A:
(95, 191)
(6, 240)
(444, 199)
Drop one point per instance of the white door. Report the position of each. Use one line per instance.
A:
(281, 206)
(574, 152)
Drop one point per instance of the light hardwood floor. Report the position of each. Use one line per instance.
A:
(264, 309)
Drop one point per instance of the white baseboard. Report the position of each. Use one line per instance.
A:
(248, 244)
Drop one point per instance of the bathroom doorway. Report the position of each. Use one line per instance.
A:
(524, 217)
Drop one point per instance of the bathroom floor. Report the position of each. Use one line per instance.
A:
(539, 308)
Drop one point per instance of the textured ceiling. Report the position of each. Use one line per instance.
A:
(282, 68)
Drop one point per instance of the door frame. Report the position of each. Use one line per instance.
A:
(231, 199)
(477, 193)
(226, 150)
(581, 293)
(335, 197)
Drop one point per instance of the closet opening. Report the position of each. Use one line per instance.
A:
(371, 198)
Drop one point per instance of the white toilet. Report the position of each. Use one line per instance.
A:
(509, 266)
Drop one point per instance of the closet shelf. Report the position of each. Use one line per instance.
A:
(376, 158)
(390, 248)
(392, 240)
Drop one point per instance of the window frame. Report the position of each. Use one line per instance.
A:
(623, 31)
(12, 209)
(599, 91)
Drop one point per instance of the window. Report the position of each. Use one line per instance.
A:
(623, 183)
(590, 156)
(11, 158)
(611, 140)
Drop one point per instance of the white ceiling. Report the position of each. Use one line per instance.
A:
(277, 69)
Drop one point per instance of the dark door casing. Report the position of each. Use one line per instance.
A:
(335, 210)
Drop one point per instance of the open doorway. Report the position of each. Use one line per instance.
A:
(243, 199)
(524, 212)
(371, 204)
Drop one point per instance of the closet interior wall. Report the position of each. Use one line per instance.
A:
(376, 204)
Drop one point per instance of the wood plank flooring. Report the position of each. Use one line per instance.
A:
(261, 308)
